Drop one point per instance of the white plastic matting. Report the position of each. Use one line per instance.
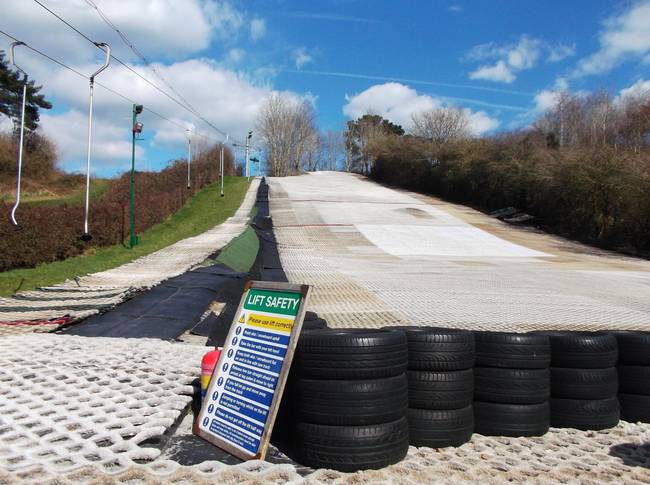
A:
(68, 402)
(408, 240)
(90, 294)
(377, 256)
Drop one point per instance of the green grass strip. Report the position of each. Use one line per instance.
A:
(202, 212)
(241, 252)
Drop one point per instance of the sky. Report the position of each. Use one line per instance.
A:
(502, 61)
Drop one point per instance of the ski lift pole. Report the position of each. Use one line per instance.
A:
(247, 155)
(135, 130)
(222, 145)
(189, 156)
(106, 48)
(22, 132)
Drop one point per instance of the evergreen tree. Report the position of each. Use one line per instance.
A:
(11, 96)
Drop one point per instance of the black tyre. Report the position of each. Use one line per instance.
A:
(356, 402)
(583, 350)
(440, 390)
(635, 408)
(351, 354)
(585, 414)
(584, 383)
(512, 386)
(351, 448)
(512, 350)
(315, 324)
(634, 379)
(439, 349)
(497, 419)
(310, 315)
(633, 347)
(440, 428)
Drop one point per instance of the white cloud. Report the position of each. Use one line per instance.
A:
(497, 72)
(398, 102)
(525, 54)
(512, 58)
(626, 36)
(636, 90)
(301, 57)
(480, 122)
(225, 19)
(455, 8)
(560, 52)
(546, 99)
(258, 28)
(110, 142)
(227, 99)
(166, 30)
(163, 28)
(236, 55)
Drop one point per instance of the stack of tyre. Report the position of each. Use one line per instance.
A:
(512, 384)
(584, 380)
(634, 375)
(349, 399)
(440, 386)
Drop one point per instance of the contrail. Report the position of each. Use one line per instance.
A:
(335, 18)
(412, 81)
(506, 107)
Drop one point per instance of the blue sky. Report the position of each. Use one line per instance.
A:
(502, 61)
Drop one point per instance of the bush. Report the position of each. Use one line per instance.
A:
(51, 233)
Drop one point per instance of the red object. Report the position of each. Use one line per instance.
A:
(208, 363)
(53, 321)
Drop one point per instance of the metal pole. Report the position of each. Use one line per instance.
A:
(22, 131)
(248, 171)
(86, 234)
(132, 241)
(189, 158)
(222, 171)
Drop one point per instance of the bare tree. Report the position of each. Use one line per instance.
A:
(332, 149)
(634, 124)
(288, 131)
(595, 119)
(440, 125)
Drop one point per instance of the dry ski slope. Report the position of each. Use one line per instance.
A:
(377, 256)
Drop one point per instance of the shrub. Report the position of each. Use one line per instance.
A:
(51, 233)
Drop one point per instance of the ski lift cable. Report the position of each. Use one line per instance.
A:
(137, 52)
(68, 24)
(125, 65)
(107, 88)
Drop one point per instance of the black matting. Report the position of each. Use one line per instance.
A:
(177, 304)
(267, 267)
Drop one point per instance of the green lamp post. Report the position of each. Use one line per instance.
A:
(137, 128)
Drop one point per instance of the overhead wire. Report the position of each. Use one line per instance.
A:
(137, 51)
(107, 88)
(125, 65)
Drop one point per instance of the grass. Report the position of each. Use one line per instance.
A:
(241, 252)
(97, 188)
(205, 210)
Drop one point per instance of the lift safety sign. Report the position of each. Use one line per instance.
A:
(242, 399)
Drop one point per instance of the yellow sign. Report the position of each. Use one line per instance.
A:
(273, 323)
(241, 319)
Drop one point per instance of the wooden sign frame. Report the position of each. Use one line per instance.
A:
(303, 290)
